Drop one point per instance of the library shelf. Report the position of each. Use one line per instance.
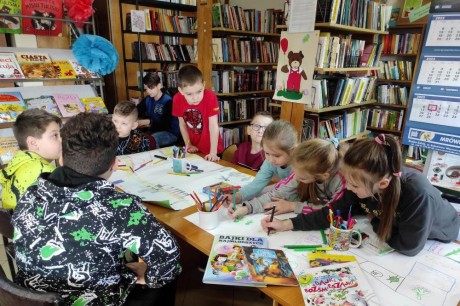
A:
(243, 64)
(244, 93)
(243, 33)
(161, 33)
(335, 108)
(348, 29)
(377, 129)
(385, 105)
(402, 82)
(353, 69)
(235, 122)
(162, 4)
(357, 136)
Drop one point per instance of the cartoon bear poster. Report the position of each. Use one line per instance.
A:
(296, 64)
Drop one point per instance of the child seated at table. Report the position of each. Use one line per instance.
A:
(315, 183)
(72, 228)
(131, 140)
(38, 135)
(402, 206)
(250, 154)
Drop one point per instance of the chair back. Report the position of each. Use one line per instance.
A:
(6, 225)
(228, 153)
(14, 295)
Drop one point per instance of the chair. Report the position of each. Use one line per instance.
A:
(228, 153)
(6, 230)
(13, 295)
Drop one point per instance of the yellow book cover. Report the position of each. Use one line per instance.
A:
(317, 259)
(36, 65)
(94, 105)
(64, 69)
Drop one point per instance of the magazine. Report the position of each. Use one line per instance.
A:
(226, 264)
(9, 66)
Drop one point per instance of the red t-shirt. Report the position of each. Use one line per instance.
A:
(196, 118)
(244, 157)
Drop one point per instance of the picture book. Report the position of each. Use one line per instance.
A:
(39, 9)
(69, 104)
(44, 102)
(337, 284)
(11, 105)
(320, 259)
(9, 66)
(269, 266)
(94, 105)
(82, 72)
(226, 264)
(64, 69)
(8, 145)
(36, 65)
(10, 24)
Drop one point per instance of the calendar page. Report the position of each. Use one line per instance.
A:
(444, 31)
(440, 71)
(436, 110)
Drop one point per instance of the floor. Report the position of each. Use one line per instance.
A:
(191, 291)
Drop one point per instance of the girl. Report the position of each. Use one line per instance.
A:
(278, 141)
(315, 181)
(403, 207)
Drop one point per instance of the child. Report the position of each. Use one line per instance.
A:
(131, 140)
(197, 110)
(403, 207)
(38, 135)
(72, 226)
(315, 164)
(250, 154)
(278, 141)
(157, 107)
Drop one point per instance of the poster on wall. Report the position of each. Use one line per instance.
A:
(443, 170)
(434, 122)
(296, 64)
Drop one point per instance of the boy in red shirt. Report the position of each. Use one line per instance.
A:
(197, 110)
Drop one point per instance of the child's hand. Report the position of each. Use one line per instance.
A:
(276, 225)
(139, 269)
(212, 157)
(192, 149)
(240, 211)
(229, 195)
(282, 206)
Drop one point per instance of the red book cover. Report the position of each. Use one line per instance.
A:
(37, 9)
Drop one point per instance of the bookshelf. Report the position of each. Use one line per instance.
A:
(166, 43)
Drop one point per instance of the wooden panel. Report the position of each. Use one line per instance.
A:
(204, 16)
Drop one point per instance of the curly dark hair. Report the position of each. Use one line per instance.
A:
(89, 143)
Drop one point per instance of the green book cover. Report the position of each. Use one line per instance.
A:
(10, 24)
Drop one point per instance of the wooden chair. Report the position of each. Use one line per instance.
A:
(228, 153)
(14, 295)
(6, 231)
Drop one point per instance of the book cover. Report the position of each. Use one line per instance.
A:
(39, 9)
(137, 21)
(11, 105)
(337, 284)
(10, 24)
(319, 259)
(44, 102)
(82, 72)
(9, 66)
(69, 104)
(64, 69)
(269, 266)
(94, 105)
(36, 65)
(226, 264)
(8, 145)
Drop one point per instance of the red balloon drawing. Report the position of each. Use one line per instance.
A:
(284, 45)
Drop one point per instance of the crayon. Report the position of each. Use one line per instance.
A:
(160, 157)
(300, 246)
(271, 218)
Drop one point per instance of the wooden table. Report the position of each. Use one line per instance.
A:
(202, 241)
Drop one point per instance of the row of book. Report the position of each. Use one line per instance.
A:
(234, 135)
(356, 13)
(22, 65)
(406, 43)
(392, 94)
(161, 52)
(244, 50)
(59, 104)
(242, 80)
(341, 90)
(396, 70)
(241, 109)
(168, 75)
(386, 119)
(237, 18)
(342, 51)
(186, 2)
(159, 20)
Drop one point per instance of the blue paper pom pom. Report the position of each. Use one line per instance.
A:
(95, 53)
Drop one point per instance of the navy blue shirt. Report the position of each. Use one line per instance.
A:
(160, 114)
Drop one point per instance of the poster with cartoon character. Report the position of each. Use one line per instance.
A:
(296, 64)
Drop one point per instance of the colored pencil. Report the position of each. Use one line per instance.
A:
(160, 157)
(271, 218)
(323, 236)
(179, 174)
(300, 246)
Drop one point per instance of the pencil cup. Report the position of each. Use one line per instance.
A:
(342, 239)
(208, 219)
(181, 165)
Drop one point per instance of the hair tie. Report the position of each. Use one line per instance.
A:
(397, 174)
(334, 141)
(380, 141)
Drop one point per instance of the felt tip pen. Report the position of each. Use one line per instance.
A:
(300, 246)
(160, 157)
(179, 174)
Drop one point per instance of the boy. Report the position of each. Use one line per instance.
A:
(38, 135)
(131, 140)
(197, 110)
(250, 154)
(73, 228)
(157, 107)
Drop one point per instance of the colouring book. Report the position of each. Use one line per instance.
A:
(44, 102)
(9, 66)
(69, 104)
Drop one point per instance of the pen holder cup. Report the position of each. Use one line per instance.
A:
(342, 239)
(181, 165)
(208, 219)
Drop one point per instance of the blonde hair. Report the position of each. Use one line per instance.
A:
(282, 134)
(125, 109)
(315, 157)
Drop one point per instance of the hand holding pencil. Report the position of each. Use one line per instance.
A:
(276, 225)
(239, 212)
